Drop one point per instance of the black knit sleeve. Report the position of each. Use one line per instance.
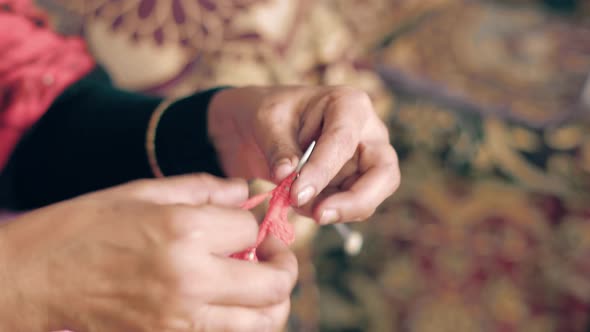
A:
(93, 137)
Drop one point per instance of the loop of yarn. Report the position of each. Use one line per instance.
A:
(36, 66)
(275, 221)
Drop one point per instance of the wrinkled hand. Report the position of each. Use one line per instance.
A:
(148, 256)
(261, 132)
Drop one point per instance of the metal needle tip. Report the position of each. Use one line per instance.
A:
(305, 157)
(353, 240)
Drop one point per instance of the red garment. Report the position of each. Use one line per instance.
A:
(36, 66)
(275, 221)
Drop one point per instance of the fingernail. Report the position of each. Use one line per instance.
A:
(329, 216)
(305, 195)
(283, 168)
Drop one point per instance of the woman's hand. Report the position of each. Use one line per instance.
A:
(148, 256)
(261, 132)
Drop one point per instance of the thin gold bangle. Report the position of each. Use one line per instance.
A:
(150, 142)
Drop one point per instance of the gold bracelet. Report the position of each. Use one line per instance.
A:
(150, 142)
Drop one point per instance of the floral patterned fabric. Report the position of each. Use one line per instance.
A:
(198, 44)
(520, 72)
(490, 230)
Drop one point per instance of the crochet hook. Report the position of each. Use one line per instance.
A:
(353, 240)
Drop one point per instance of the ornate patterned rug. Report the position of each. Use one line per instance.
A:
(490, 230)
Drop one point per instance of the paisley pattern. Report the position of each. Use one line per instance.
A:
(239, 42)
(490, 230)
(199, 24)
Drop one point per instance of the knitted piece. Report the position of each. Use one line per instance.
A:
(275, 221)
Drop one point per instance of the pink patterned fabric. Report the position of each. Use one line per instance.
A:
(36, 66)
(275, 221)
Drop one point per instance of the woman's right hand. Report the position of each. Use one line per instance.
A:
(147, 256)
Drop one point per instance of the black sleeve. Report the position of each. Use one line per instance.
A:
(94, 136)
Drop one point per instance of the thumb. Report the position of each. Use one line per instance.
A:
(282, 159)
(281, 152)
(195, 189)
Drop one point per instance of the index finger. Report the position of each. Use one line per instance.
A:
(193, 189)
(345, 113)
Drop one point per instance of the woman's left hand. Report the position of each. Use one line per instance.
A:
(261, 133)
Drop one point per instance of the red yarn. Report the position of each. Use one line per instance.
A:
(36, 65)
(275, 221)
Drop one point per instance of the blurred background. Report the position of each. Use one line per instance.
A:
(488, 104)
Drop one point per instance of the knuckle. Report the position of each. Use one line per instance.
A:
(292, 269)
(347, 94)
(362, 98)
(393, 154)
(167, 217)
(140, 186)
(175, 221)
(174, 263)
(393, 171)
(390, 160)
(206, 180)
(365, 213)
(335, 100)
(205, 177)
(395, 184)
(350, 92)
(269, 111)
(281, 286)
(381, 130)
(169, 214)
